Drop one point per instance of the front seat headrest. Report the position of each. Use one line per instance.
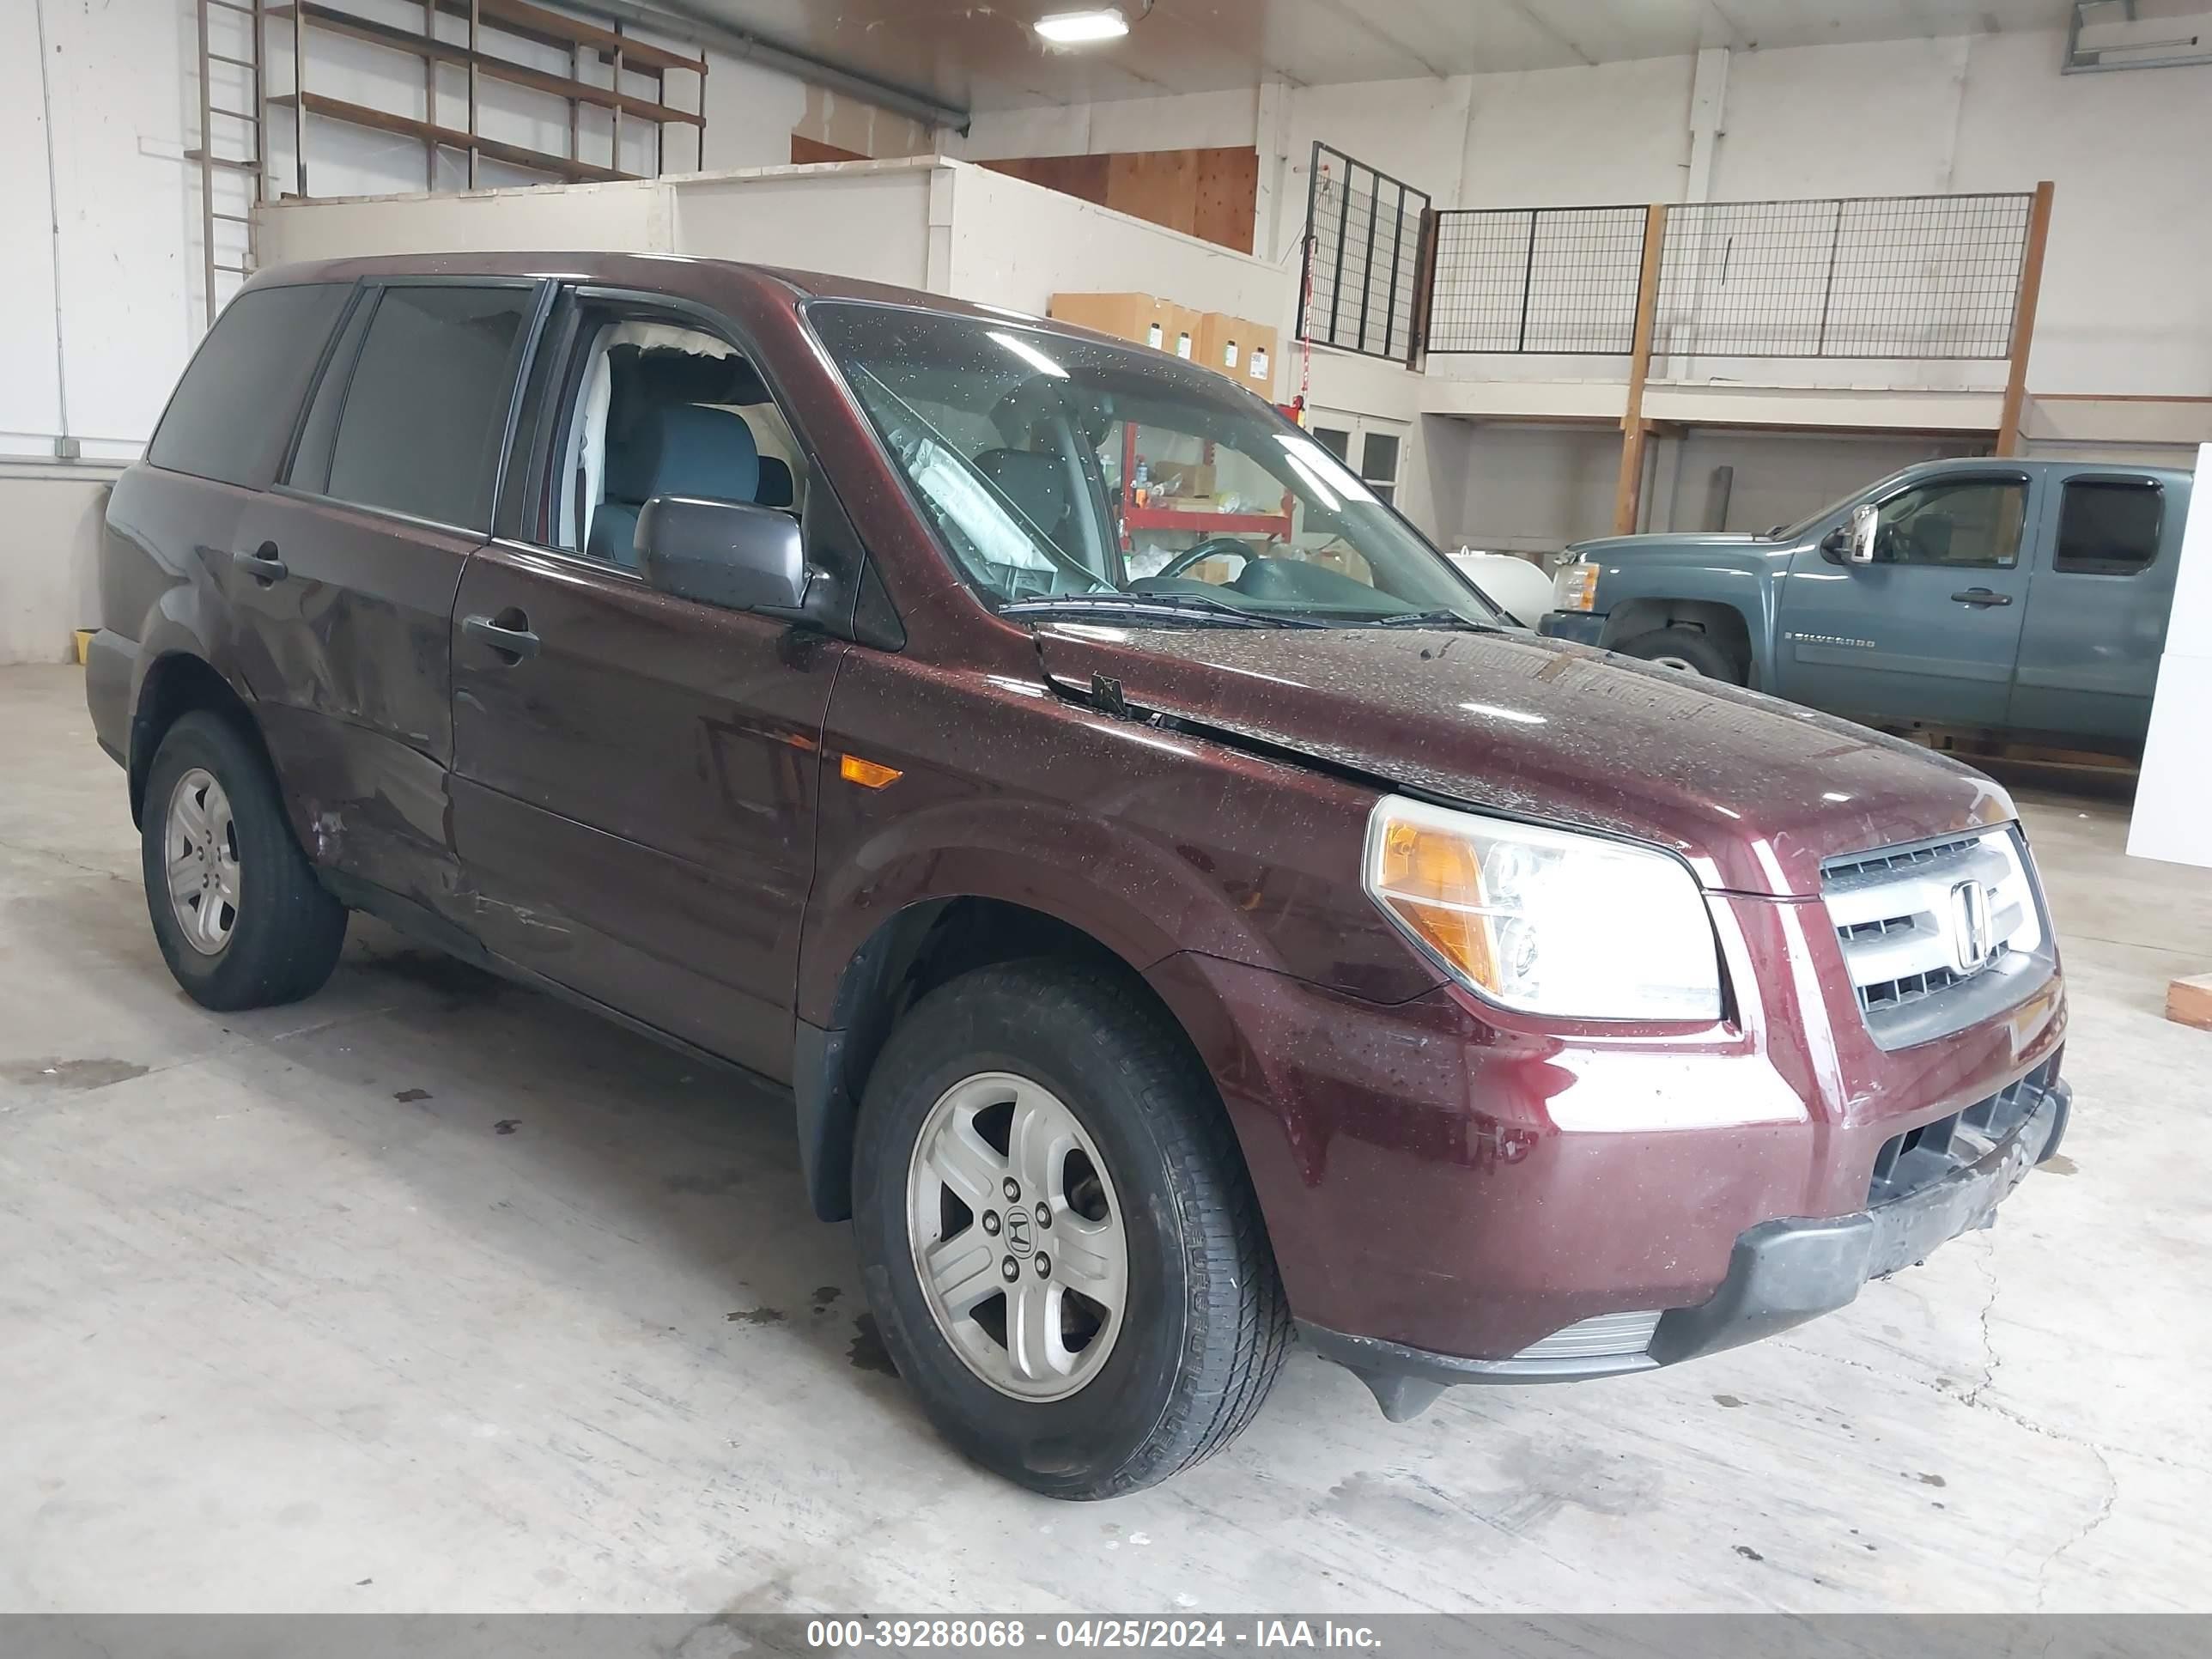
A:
(681, 449)
(1036, 483)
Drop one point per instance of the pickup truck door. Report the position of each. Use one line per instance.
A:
(1931, 630)
(2097, 603)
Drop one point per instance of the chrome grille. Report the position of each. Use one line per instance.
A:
(1921, 926)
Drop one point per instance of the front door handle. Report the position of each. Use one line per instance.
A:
(1982, 596)
(263, 564)
(507, 634)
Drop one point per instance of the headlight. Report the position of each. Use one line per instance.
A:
(1546, 920)
(1575, 588)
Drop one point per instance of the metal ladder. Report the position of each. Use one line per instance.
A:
(253, 164)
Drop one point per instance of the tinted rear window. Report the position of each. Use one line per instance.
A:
(231, 414)
(2109, 527)
(426, 410)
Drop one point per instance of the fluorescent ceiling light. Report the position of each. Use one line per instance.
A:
(1078, 28)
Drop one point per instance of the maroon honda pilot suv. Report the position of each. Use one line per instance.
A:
(1184, 911)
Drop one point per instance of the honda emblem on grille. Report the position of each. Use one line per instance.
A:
(1973, 929)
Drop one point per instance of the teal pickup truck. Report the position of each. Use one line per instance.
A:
(2019, 599)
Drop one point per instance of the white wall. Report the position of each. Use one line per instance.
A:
(120, 227)
(51, 516)
(2122, 307)
(930, 223)
(1017, 244)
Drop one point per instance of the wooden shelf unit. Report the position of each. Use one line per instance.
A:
(517, 17)
(408, 126)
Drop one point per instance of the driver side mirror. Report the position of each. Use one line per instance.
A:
(1864, 518)
(729, 553)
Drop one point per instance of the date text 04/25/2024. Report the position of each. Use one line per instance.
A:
(850, 1634)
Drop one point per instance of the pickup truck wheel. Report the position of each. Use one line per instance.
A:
(1059, 1240)
(238, 913)
(1686, 650)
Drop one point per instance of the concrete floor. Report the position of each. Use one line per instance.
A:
(431, 1294)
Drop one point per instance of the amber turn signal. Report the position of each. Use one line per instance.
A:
(1575, 588)
(1432, 880)
(869, 775)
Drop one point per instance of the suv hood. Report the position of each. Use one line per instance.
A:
(1754, 792)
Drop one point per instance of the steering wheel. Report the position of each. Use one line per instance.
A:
(1212, 546)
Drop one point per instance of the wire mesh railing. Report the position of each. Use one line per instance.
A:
(1537, 279)
(1902, 277)
(1362, 254)
(1894, 276)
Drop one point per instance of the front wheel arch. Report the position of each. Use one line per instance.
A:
(923, 947)
(1723, 624)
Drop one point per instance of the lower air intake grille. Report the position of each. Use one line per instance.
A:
(1602, 1336)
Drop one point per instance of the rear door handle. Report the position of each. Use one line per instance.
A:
(262, 564)
(507, 634)
(1982, 596)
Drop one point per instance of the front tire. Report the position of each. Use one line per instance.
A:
(1060, 1245)
(1687, 651)
(238, 913)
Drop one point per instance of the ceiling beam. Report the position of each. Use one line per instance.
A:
(1339, 10)
(682, 17)
(1528, 15)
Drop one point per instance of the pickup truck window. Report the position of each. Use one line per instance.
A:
(1965, 522)
(2109, 527)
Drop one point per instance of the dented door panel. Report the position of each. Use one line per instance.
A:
(348, 656)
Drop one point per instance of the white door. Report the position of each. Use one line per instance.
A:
(1373, 447)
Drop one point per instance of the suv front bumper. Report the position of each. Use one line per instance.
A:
(1780, 1273)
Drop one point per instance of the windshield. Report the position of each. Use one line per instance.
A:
(1072, 475)
(1790, 532)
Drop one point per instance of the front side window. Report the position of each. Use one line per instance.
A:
(425, 413)
(661, 408)
(1097, 477)
(2109, 527)
(1966, 522)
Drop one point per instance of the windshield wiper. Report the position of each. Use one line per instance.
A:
(1180, 607)
(1431, 619)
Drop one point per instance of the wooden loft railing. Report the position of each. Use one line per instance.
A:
(515, 17)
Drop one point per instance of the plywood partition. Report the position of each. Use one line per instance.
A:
(1209, 193)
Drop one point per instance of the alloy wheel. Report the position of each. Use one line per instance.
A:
(1018, 1238)
(200, 855)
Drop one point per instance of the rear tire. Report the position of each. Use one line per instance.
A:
(1202, 1324)
(238, 913)
(1688, 651)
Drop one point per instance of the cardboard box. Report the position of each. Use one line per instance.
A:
(1125, 316)
(1179, 335)
(1240, 349)
(1138, 317)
